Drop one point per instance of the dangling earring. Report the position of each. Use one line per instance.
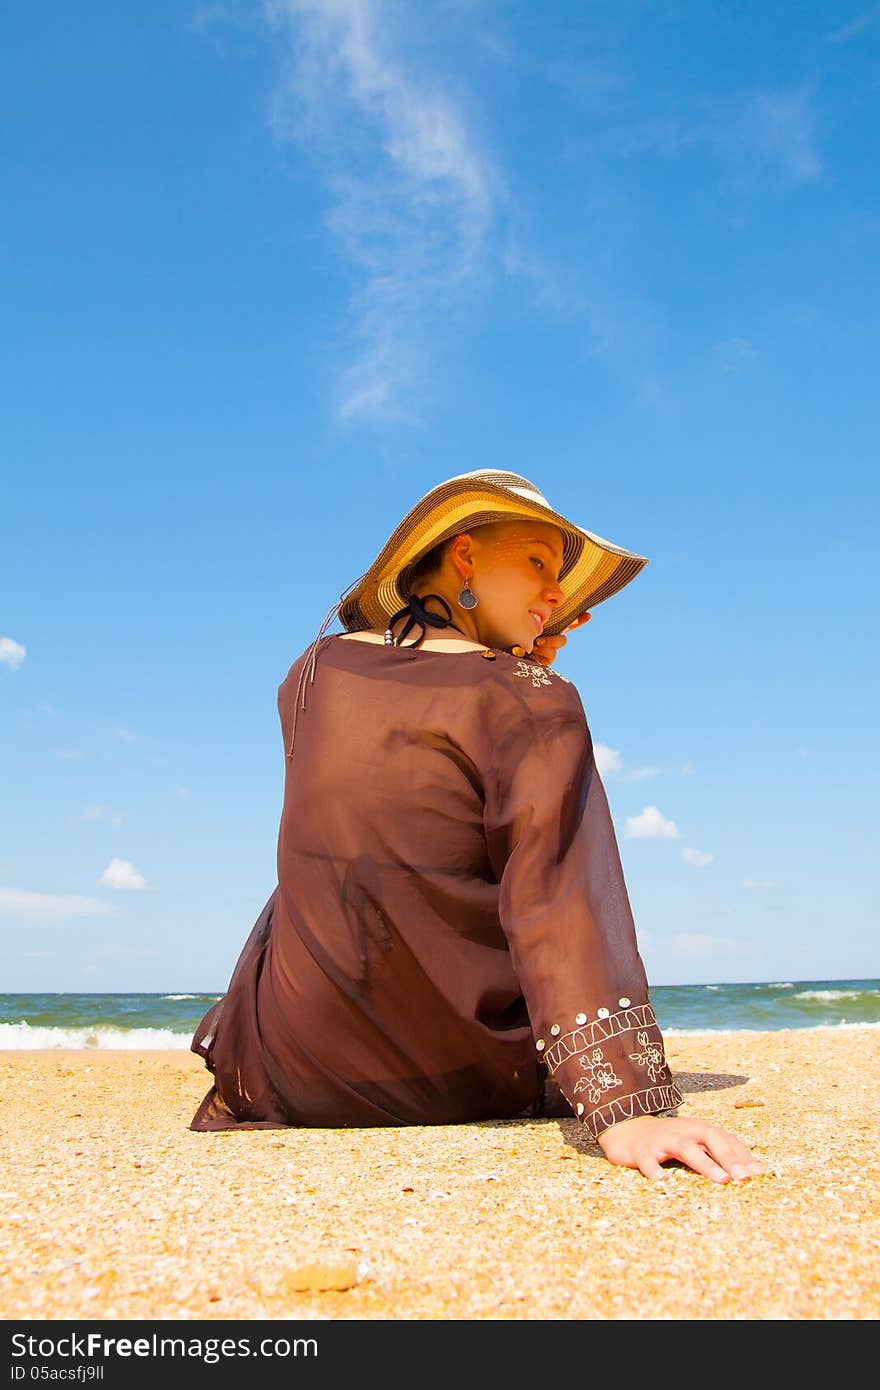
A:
(467, 599)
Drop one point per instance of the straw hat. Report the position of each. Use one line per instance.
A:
(592, 569)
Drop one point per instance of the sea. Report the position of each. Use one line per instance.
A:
(156, 1021)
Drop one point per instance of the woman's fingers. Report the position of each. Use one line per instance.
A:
(717, 1154)
(648, 1142)
(650, 1168)
(579, 621)
(732, 1155)
(546, 648)
(701, 1161)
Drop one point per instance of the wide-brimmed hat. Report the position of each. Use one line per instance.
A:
(592, 569)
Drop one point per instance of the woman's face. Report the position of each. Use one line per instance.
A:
(514, 573)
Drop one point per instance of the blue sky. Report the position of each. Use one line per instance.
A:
(269, 272)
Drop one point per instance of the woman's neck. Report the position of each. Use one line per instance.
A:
(441, 642)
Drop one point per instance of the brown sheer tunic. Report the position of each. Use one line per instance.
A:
(451, 924)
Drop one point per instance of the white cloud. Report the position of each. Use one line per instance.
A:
(12, 654)
(698, 857)
(124, 735)
(119, 873)
(758, 883)
(607, 759)
(92, 813)
(413, 196)
(688, 770)
(650, 824)
(50, 907)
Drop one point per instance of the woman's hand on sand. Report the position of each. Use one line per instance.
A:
(649, 1141)
(546, 648)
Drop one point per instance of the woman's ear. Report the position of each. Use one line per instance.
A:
(461, 555)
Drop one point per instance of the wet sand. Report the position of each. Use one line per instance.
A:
(111, 1208)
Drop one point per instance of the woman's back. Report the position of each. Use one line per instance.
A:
(385, 989)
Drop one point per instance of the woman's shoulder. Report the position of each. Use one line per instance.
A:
(538, 691)
(492, 675)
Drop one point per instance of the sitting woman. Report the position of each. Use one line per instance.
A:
(450, 938)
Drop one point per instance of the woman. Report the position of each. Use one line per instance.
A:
(450, 939)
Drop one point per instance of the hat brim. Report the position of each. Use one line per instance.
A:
(592, 568)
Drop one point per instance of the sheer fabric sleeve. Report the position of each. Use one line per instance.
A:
(565, 910)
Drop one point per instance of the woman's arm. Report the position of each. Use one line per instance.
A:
(565, 911)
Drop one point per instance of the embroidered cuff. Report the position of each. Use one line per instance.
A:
(627, 1040)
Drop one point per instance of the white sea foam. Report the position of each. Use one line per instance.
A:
(23, 1036)
(181, 996)
(829, 996)
(814, 1028)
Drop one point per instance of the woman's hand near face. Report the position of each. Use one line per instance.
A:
(648, 1141)
(546, 648)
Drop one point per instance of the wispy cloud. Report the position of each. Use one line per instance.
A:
(856, 27)
(98, 812)
(778, 129)
(50, 907)
(119, 873)
(765, 135)
(758, 884)
(12, 653)
(651, 824)
(412, 195)
(699, 858)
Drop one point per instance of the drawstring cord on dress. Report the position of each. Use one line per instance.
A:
(307, 674)
(416, 615)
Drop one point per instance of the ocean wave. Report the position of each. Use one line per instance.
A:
(831, 996)
(20, 1037)
(673, 1032)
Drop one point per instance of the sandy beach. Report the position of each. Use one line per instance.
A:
(111, 1208)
